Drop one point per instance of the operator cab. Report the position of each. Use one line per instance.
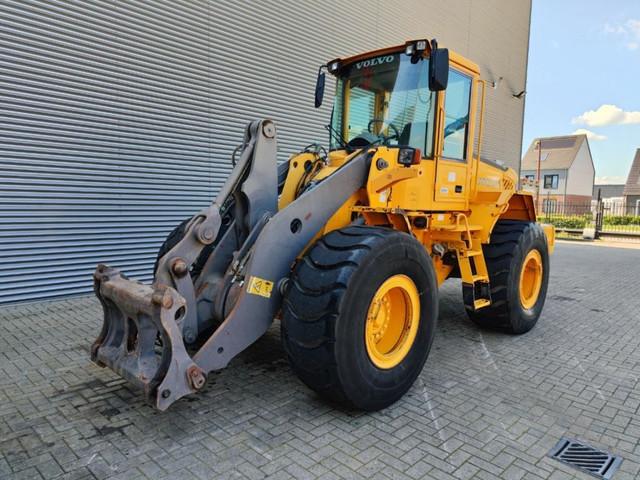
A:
(415, 97)
(387, 97)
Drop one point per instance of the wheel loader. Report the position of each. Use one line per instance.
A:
(346, 247)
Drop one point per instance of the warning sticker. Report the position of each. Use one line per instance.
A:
(260, 286)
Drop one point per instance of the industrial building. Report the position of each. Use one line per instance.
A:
(119, 120)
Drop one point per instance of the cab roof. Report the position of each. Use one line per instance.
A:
(453, 56)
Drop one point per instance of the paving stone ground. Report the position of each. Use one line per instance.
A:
(486, 406)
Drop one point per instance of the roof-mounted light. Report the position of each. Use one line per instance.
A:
(416, 47)
(334, 66)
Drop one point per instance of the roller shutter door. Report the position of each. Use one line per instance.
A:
(118, 118)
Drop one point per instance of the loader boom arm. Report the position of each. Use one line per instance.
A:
(147, 328)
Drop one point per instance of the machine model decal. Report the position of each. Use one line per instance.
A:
(489, 182)
(375, 61)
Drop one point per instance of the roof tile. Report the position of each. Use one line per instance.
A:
(558, 153)
(632, 187)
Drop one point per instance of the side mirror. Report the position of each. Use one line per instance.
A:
(319, 87)
(438, 68)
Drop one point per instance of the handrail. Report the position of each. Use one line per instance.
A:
(476, 158)
(481, 119)
(469, 241)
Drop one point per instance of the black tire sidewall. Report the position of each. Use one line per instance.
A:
(171, 241)
(524, 319)
(368, 386)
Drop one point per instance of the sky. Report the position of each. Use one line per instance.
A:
(584, 77)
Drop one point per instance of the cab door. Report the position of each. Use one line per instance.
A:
(452, 159)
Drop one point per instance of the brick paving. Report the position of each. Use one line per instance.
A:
(486, 406)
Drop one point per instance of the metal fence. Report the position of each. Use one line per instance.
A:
(607, 218)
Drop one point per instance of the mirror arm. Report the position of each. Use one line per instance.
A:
(438, 67)
(319, 94)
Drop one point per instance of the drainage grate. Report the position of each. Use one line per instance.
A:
(585, 458)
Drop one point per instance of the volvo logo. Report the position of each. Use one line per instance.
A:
(375, 61)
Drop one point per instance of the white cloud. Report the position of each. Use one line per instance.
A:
(633, 26)
(610, 180)
(606, 115)
(628, 32)
(590, 135)
(617, 29)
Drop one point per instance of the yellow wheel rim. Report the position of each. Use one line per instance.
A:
(531, 279)
(392, 321)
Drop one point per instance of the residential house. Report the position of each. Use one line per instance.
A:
(567, 173)
(631, 191)
(608, 191)
(611, 197)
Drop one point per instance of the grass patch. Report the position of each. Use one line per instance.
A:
(620, 228)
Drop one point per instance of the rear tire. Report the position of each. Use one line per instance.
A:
(512, 310)
(327, 317)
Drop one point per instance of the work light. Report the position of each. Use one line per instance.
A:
(418, 46)
(408, 156)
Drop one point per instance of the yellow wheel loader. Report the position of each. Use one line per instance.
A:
(346, 247)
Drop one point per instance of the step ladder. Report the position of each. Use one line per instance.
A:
(473, 268)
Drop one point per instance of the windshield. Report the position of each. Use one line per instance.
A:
(387, 99)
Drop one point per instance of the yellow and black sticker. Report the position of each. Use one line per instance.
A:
(260, 286)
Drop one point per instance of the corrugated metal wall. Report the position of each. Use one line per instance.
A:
(118, 118)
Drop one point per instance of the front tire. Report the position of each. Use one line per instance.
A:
(359, 316)
(517, 259)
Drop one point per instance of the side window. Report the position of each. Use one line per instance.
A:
(456, 116)
(551, 182)
(361, 110)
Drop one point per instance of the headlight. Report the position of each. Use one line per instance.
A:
(409, 156)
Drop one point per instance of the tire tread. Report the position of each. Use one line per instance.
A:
(313, 302)
(499, 254)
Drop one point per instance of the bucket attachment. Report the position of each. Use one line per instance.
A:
(141, 339)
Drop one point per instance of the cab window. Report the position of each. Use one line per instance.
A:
(361, 110)
(385, 100)
(456, 111)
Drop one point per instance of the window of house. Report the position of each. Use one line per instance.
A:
(456, 111)
(551, 182)
(531, 178)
